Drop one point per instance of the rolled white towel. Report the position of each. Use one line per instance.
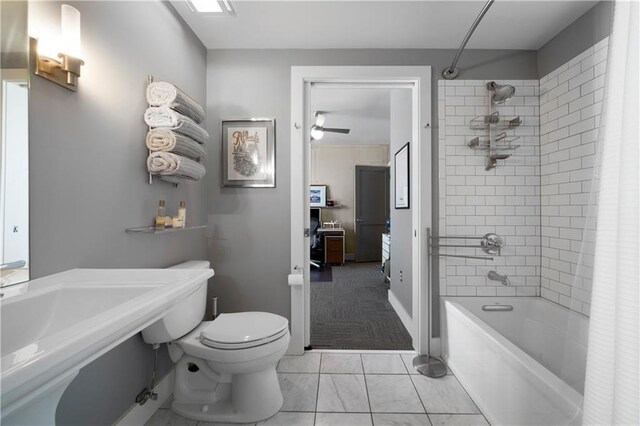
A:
(162, 93)
(168, 164)
(161, 139)
(166, 117)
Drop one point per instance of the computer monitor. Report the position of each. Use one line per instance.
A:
(316, 212)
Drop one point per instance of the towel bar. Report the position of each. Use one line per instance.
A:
(489, 243)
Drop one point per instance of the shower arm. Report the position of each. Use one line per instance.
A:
(451, 72)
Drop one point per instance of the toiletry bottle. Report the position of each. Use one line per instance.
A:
(175, 222)
(182, 214)
(160, 216)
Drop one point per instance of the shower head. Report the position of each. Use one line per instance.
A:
(501, 93)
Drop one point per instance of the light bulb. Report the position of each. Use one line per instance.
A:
(316, 133)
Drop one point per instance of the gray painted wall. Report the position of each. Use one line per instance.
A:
(584, 32)
(250, 238)
(13, 34)
(401, 229)
(88, 179)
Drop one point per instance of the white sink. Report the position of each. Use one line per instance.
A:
(53, 326)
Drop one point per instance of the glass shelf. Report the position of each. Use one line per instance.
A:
(152, 229)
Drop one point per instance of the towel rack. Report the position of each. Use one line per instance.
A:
(489, 243)
(175, 179)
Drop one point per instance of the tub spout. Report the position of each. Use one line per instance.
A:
(493, 275)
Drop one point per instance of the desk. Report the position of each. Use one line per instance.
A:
(333, 245)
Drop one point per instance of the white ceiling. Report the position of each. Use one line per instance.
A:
(364, 111)
(319, 24)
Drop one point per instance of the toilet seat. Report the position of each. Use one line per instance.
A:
(192, 345)
(243, 345)
(243, 330)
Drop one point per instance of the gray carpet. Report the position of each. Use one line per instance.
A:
(353, 312)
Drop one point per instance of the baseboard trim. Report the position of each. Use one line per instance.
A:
(138, 415)
(402, 313)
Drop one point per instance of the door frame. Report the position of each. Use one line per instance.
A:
(387, 169)
(416, 78)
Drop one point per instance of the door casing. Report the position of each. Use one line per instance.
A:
(416, 78)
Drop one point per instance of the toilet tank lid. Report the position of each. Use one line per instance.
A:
(192, 264)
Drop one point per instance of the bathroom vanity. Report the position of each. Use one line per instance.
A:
(54, 326)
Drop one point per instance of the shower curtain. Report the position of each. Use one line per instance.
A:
(612, 388)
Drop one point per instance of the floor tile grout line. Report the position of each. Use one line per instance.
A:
(420, 398)
(315, 412)
(405, 365)
(366, 388)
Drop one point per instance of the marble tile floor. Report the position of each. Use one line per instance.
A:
(353, 389)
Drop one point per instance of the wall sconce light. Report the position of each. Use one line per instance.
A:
(59, 60)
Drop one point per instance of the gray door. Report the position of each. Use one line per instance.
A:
(372, 210)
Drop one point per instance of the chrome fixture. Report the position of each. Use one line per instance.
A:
(497, 144)
(489, 243)
(501, 93)
(429, 366)
(60, 63)
(497, 308)
(493, 275)
(13, 265)
(452, 72)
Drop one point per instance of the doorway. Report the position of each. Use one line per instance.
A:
(371, 211)
(418, 81)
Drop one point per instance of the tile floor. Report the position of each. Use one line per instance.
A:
(353, 389)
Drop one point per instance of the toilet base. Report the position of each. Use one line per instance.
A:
(253, 397)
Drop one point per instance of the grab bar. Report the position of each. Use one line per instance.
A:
(497, 308)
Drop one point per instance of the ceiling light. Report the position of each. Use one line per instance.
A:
(320, 118)
(227, 5)
(316, 133)
(205, 6)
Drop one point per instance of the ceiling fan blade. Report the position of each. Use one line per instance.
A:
(344, 131)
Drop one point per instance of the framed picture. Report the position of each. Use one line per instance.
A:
(248, 153)
(401, 177)
(318, 195)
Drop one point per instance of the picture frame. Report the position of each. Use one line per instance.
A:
(401, 178)
(317, 195)
(248, 153)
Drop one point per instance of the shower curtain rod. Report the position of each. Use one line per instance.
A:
(451, 72)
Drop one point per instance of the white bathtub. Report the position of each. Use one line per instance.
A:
(511, 362)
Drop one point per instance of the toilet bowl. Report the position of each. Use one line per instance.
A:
(226, 368)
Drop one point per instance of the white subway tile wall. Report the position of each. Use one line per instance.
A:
(570, 105)
(504, 200)
(539, 199)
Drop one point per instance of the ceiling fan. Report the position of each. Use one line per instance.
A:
(318, 129)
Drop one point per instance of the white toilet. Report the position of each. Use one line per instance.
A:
(225, 368)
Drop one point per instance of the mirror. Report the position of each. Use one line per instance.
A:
(14, 143)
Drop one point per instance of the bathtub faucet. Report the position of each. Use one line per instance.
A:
(493, 275)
